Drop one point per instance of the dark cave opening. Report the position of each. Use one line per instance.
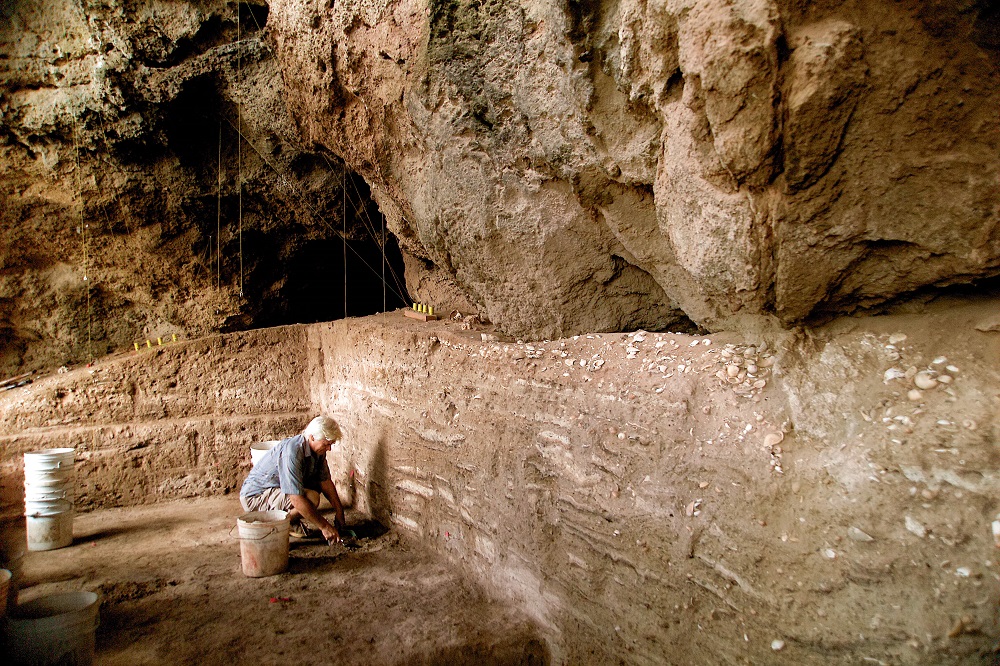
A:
(323, 281)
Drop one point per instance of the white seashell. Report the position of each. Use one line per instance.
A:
(915, 395)
(910, 372)
(751, 368)
(893, 373)
(721, 374)
(914, 526)
(761, 348)
(896, 338)
(951, 368)
(742, 375)
(777, 645)
(854, 534)
(996, 533)
(939, 360)
(773, 439)
(759, 384)
(944, 379)
(732, 370)
(830, 554)
(924, 380)
(734, 380)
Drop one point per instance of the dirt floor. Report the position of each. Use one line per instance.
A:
(174, 592)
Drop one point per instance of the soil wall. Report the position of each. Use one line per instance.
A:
(640, 501)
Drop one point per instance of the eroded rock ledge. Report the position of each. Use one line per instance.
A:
(592, 166)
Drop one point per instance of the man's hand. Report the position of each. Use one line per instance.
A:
(331, 534)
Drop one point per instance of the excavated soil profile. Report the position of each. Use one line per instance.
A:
(606, 498)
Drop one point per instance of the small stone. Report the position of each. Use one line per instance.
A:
(830, 554)
(777, 645)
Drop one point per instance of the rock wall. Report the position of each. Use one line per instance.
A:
(131, 209)
(642, 502)
(611, 165)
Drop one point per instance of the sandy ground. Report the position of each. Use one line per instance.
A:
(173, 592)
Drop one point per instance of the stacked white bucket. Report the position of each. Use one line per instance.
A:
(49, 483)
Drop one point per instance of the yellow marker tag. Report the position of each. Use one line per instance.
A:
(149, 345)
(430, 309)
(174, 337)
(159, 341)
(414, 307)
(136, 345)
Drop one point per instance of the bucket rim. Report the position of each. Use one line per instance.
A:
(62, 451)
(262, 518)
(34, 610)
(265, 446)
(50, 508)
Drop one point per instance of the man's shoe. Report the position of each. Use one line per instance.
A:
(301, 531)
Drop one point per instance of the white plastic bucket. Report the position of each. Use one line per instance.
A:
(50, 527)
(48, 459)
(45, 493)
(49, 477)
(260, 449)
(263, 542)
(55, 629)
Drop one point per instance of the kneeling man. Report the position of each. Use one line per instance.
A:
(291, 476)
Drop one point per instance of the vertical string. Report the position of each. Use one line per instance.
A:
(239, 141)
(384, 306)
(218, 218)
(343, 187)
(84, 228)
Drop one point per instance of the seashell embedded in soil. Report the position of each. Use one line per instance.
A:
(751, 368)
(896, 338)
(924, 380)
(854, 534)
(773, 438)
(944, 379)
(732, 370)
(915, 395)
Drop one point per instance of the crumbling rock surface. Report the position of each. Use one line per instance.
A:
(586, 166)
(129, 209)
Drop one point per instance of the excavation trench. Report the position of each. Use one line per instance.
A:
(588, 500)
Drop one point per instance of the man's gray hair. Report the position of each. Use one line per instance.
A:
(323, 427)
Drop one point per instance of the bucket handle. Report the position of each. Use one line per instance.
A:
(242, 538)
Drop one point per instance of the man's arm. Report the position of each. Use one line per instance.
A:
(306, 508)
(330, 490)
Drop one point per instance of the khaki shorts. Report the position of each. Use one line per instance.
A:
(273, 499)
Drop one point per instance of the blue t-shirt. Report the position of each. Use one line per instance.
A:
(291, 465)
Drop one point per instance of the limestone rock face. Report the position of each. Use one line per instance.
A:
(129, 207)
(580, 166)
